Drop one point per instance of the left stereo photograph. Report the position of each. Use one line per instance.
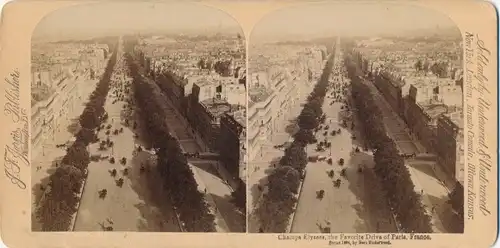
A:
(138, 119)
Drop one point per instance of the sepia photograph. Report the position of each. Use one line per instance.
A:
(249, 123)
(138, 119)
(355, 120)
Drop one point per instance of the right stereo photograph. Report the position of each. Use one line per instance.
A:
(355, 121)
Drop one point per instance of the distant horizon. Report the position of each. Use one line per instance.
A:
(291, 38)
(318, 20)
(113, 19)
(82, 37)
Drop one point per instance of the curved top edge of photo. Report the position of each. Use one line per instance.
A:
(91, 21)
(316, 21)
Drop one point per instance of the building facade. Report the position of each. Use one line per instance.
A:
(422, 119)
(233, 144)
(390, 87)
(260, 118)
(51, 115)
(450, 144)
(174, 88)
(205, 116)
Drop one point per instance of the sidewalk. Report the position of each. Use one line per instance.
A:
(220, 168)
(442, 176)
(49, 152)
(424, 184)
(220, 222)
(226, 177)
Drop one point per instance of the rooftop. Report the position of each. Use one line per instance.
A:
(250, 103)
(240, 116)
(396, 80)
(259, 94)
(435, 110)
(457, 118)
(217, 107)
(41, 93)
(203, 82)
(177, 79)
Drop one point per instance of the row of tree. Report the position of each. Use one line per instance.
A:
(239, 198)
(163, 82)
(223, 67)
(439, 69)
(389, 165)
(178, 179)
(60, 199)
(457, 204)
(278, 203)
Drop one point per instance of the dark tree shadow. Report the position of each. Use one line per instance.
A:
(36, 188)
(141, 136)
(444, 212)
(373, 208)
(350, 118)
(37, 193)
(361, 224)
(156, 210)
(235, 219)
(152, 219)
(257, 189)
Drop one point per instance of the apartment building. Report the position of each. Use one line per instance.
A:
(260, 116)
(56, 88)
(450, 144)
(233, 143)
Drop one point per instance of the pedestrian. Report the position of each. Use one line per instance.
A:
(421, 191)
(205, 190)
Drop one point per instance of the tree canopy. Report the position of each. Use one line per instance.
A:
(58, 204)
(178, 178)
(389, 165)
(278, 203)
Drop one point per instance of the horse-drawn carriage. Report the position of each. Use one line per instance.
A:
(320, 194)
(102, 193)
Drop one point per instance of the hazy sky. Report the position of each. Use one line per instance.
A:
(100, 18)
(309, 20)
(347, 19)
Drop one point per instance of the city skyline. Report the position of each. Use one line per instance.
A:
(113, 80)
(116, 19)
